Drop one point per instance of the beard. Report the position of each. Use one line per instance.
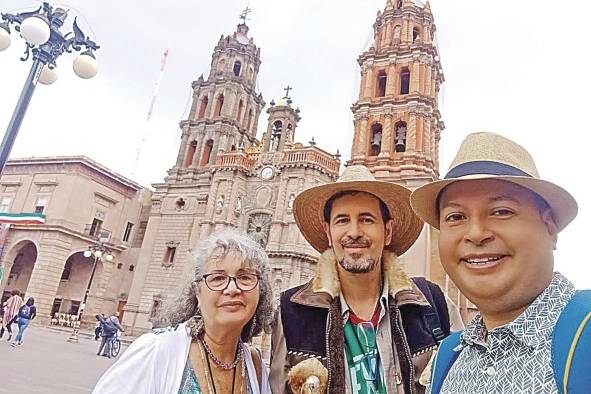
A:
(357, 263)
(361, 265)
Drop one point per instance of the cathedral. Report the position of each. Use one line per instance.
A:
(227, 176)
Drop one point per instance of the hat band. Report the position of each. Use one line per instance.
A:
(484, 167)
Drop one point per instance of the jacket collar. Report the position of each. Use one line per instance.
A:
(325, 285)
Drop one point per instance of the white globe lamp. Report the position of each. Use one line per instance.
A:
(48, 76)
(35, 30)
(85, 65)
(87, 253)
(109, 257)
(98, 254)
(4, 38)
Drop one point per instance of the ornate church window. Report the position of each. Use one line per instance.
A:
(381, 84)
(275, 136)
(416, 34)
(202, 107)
(240, 110)
(237, 68)
(218, 105)
(206, 153)
(400, 145)
(404, 81)
(259, 225)
(376, 139)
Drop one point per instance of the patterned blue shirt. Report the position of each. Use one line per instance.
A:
(516, 357)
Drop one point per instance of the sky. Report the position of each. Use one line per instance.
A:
(518, 68)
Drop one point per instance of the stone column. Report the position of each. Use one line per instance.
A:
(414, 77)
(369, 82)
(391, 82)
(199, 149)
(388, 34)
(183, 149)
(428, 81)
(387, 137)
(411, 133)
(362, 143)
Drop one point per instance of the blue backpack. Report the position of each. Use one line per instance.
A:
(571, 349)
(25, 312)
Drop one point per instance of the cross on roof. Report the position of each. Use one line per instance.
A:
(287, 89)
(244, 14)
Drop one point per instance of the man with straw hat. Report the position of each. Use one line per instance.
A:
(498, 225)
(368, 323)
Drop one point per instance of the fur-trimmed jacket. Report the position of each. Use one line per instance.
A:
(418, 317)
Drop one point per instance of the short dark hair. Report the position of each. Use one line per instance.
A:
(30, 301)
(328, 206)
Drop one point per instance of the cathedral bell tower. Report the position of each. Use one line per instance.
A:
(226, 107)
(396, 117)
(283, 120)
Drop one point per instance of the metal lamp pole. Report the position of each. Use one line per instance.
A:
(41, 29)
(98, 252)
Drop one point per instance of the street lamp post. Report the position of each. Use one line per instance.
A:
(98, 252)
(41, 30)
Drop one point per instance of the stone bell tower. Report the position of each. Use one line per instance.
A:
(283, 120)
(396, 118)
(226, 107)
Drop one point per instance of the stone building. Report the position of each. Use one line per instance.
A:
(85, 203)
(224, 177)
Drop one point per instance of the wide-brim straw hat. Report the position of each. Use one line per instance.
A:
(491, 156)
(308, 208)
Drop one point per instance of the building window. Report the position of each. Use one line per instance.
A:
(206, 153)
(95, 227)
(55, 308)
(191, 153)
(416, 35)
(127, 233)
(275, 135)
(5, 204)
(404, 81)
(203, 107)
(41, 204)
(381, 84)
(249, 123)
(218, 105)
(376, 139)
(169, 255)
(237, 67)
(400, 145)
(74, 308)
(67, 270)
(398, 4)
(240, 110)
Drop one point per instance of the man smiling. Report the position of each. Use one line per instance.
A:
(371, 325)
(498, 226)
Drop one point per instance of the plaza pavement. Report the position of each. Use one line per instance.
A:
(47, 363)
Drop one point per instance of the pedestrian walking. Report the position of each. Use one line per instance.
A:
(26, 313)
(11, 308)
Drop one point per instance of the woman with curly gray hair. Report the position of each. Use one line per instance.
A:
(205, 347)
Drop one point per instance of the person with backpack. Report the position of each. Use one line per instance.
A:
(109, 327)
(370, 325)
(26, 313)
(499, 223)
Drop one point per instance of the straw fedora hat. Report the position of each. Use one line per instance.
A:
(308, 208)
(491, 156)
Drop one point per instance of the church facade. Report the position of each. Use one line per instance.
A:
(225, 177)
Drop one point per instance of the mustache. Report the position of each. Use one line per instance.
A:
(355, 242)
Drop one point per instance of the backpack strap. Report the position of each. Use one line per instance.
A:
(444, 359)
(571, 345)
(437, 317)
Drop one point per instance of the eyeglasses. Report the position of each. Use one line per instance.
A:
(220, 282)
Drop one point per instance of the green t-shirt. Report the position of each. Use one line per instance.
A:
(363, 359)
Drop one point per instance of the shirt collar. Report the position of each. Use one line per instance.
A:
(535, 325)
(383, 300)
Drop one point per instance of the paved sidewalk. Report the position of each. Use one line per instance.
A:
(47, 363)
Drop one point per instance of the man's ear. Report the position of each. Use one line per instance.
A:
(388, 233)
(548, 219)
(326, 228)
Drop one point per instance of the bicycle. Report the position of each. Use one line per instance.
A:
(115, 345)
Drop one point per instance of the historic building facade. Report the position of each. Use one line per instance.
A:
(224, 177)
(84, 204)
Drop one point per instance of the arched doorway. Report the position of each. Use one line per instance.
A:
(22, 256)
(73, 282)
